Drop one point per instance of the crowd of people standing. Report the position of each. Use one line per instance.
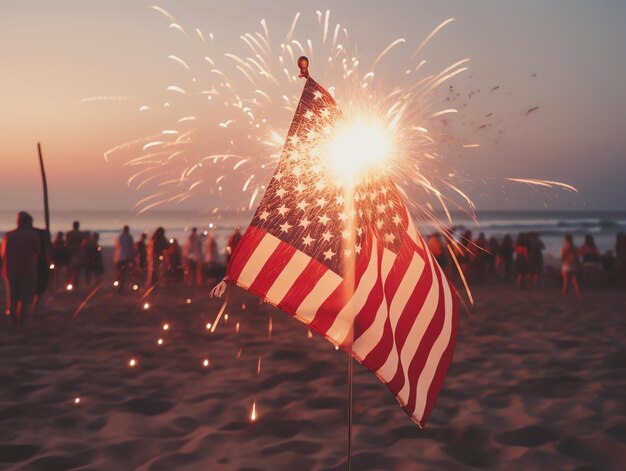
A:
(31, 261)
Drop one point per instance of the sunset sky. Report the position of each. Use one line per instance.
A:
(566, 57)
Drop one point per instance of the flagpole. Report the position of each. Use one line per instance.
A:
(44, 182)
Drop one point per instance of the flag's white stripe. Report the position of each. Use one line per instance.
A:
(322, 290)
(416, 334)
(258, 258)
(370, 338)
(400, 299)
(411, 231)
(288, 276)
(343, 322)
(440, 345)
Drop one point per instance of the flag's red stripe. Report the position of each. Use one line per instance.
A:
(444, 363)
(330, 308)
(246, 246)
(365, 318)
(425, 346)
(272, 267)
(302, 286)
(408, 317)
(379, 354)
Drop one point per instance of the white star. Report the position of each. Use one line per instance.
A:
(324, 219)
(321, 202)
(359, 231)
(309, 114)
(325, 113)
(294, 140)
(295, 155)
(345, 234)
(326, 236)
(329, 254)
(300, 187)
(278, 176)
(347, 253)
(302, 205)
(390, 238)
(319, 185)
(297, 171)
(311, 135)
(285, 227)
(397, 219)
(340, 199)
(380, 223)
(317, 95)
(281, 192)
(381, 207)
(263, 216)
(305, 223)
(283, 210)
(307, 240)
(357, 248)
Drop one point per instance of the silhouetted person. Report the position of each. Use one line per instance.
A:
(60, 258)
(438, 249)
(123, 256)
(156, 256)
(43, 267)
(589, 252)
(481, 247)
(173, 262)
(569, 268)
(193, 258)
(522, 264)
(20, 250)
(74, 240)
(233, 240)
(490, 257)
(535, 257)
(94, 266)
(506, 255)
(141, 253)
(211, 254)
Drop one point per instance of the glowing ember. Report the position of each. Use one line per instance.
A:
(239, 353)
(237, 327)
(309, 334)
(160, 341)
(132, 363)
(208, 326)
(253, 414)
(225, 317)
(258, 366)
(243, 307)
(205, 363)
(52, 266)
(69, 287)
(166, 327)
(116, 283)
(77, 400)
(188, 300)
(146, 306)
(135, 287)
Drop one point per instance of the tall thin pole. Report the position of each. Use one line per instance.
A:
(46, 208)
(350, 408)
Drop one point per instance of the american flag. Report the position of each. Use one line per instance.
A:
(357, 271)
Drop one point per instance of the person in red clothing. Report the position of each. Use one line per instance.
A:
(20, 250)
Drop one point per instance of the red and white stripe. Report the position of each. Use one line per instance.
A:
(398, 317)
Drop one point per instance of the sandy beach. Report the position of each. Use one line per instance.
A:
(535, 383)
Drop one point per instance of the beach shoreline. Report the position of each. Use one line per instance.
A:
(535, 382)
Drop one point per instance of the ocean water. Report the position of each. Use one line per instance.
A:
(551, 225)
